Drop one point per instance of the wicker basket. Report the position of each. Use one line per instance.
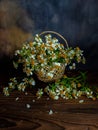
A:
(58, 72)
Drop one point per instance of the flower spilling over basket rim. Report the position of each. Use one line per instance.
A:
(47, 57)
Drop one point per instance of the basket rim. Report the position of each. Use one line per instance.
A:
(58, 34)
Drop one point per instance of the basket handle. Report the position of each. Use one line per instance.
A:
(53, 32)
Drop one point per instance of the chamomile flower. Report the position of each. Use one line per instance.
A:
(6, 91)
(39, 93)
(47, 58)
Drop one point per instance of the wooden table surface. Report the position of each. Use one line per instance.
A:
(47, 114)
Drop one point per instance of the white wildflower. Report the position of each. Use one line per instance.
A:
(33, 83)
(56, 97)
(49, 75)
(6, 91)
(57, 64)
(70, 67)
(39, 93)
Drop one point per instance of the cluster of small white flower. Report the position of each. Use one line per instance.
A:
(21, 86)
(45, 57)
(67, 93)
(67, 88)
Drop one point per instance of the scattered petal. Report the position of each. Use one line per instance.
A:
(81, 101)
(26, 93)
(50, 112)
(28, 106)
(33, 100)
(17, 98)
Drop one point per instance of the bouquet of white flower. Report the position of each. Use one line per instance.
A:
(47, 57)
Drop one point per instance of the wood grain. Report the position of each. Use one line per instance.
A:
(67, 114)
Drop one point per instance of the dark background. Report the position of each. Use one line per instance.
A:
(76, 20)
